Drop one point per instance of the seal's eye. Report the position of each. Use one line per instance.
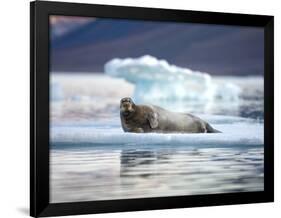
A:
(126, 100)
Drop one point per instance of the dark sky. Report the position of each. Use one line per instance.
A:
(85, 45)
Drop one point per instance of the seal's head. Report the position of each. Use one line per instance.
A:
(127, 106)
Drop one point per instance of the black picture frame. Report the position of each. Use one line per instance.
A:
(39, 108)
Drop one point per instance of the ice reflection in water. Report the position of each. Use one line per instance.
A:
(114, 173)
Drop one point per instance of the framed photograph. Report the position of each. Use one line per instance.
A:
(141, 109)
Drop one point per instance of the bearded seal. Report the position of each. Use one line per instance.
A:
(151, 118)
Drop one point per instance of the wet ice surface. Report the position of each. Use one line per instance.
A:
(91, 158)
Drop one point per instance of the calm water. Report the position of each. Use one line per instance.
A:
(95, 160)
(96, 174)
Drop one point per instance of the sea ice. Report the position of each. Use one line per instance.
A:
(235, 132)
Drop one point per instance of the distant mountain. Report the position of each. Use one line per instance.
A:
(62, 25)
(216, 49)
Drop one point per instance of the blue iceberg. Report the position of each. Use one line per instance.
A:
(157, 80)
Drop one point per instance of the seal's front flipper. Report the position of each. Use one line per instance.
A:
(153, 120)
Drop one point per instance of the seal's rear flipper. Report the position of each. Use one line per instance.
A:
(210, 129)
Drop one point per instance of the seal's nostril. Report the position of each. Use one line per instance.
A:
(126, 104)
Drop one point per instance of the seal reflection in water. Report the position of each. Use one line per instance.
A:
(150, 118)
